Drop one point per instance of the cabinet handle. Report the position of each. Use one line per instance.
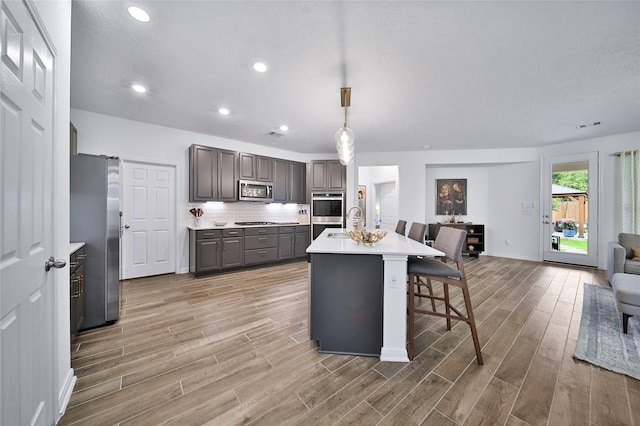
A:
(262, 231)
(233, 233)
(262, 239)
(262, 252)
(209, 235)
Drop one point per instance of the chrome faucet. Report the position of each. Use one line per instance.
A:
(357, 218)
(359, 214)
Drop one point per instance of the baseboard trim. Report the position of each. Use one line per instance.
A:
(65, 393)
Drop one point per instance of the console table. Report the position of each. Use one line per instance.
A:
(475, 236)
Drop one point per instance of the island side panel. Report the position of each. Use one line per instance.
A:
(346, 301)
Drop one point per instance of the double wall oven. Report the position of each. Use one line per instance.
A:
(327, 211)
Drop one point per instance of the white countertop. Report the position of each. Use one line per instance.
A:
(393, 243)
(75, 246)
(230, 225)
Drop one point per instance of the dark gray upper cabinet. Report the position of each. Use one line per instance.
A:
(203, 173)
(289, 181)
(213, 174)
(281, 181)
(298, 188)
(255, 167)
(328, 175)
(227, 175)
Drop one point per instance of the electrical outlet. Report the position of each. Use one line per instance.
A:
(394, 281)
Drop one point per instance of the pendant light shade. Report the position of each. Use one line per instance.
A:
(344, 143)
(344, 136)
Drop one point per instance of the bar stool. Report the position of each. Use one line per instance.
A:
(401, 227)
(416, 232)
(450, 241)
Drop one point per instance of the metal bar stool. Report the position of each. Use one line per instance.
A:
(450, 241)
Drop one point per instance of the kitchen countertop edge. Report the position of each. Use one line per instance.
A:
(392, 244)
(73, 247)
(234, 226)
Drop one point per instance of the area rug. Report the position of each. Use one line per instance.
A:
(601, 340)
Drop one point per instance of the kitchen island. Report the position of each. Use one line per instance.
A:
(358, 294)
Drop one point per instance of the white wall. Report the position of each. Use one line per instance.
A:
(56, 17)
(369, 177)
(509, 179)
(504, 184)
(134, 140)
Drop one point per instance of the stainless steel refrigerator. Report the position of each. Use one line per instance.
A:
(95, 220)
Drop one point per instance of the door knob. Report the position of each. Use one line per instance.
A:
(127, 227)
(51, 263)
(546, 222)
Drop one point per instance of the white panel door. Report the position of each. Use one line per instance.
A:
(388, 201)
(27, 315)
(148, 219)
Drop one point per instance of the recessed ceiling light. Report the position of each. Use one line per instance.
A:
(260, 67)
(223, 111)
(138, 14)
(284, 127)
(139, 88)
(427, 146)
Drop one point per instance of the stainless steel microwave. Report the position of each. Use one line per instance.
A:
(255, 191)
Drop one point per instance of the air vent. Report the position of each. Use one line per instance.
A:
(583, 126)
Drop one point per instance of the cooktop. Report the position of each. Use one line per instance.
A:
(254, 223)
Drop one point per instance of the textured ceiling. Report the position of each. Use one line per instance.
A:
(451, 75)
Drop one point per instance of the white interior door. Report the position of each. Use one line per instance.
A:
(148, 219)
(27, 314)
(582, 248)
(387, 198)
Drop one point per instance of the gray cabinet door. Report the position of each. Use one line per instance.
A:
(281, 181)
(286, 246)
(336, 176)
(298, 185)
(203, 173)
(328, 175)
(255, 167)
(227, 176)
(264, 169)
(318, 176)
(302, 241)
(247, 166)
(232, 252)
(207, 255)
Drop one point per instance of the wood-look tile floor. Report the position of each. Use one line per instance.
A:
(234, 349)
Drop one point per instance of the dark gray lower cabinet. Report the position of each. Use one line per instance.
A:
(76, 290)
(346, 303)
(302, 240)
(286, 247)
(214, 250)
(204, 251)
(260, 245)
(232, 248)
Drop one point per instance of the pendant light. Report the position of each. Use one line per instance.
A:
(344, 136)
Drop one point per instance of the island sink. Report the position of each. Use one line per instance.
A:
(338, 235)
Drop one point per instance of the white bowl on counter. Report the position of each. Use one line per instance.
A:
(218, 223)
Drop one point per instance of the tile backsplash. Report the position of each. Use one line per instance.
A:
(248, 212)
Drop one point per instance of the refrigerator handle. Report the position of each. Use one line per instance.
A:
(120, 224)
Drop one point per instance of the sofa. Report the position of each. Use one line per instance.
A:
(620, 256)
